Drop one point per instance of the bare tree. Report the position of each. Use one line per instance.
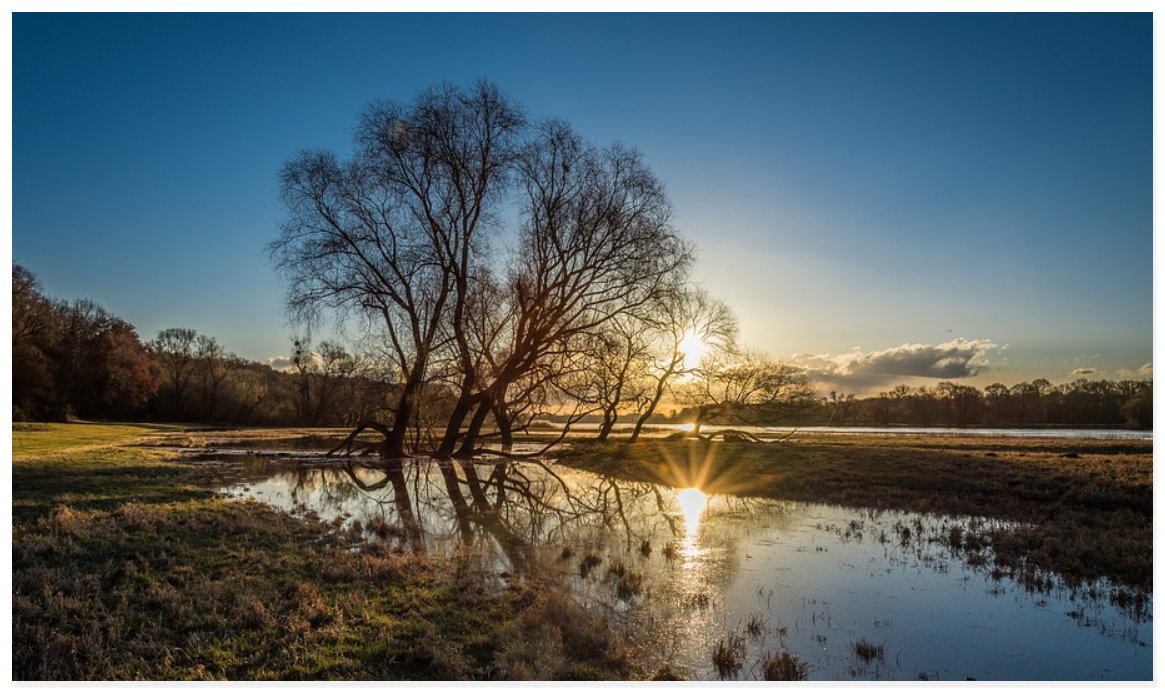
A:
(596, 244)
(841, 406)
(175, 350)
(616, 362)
(683, 317)
(400, 236)
(320, 376)
(215, 365)
(750, 389)
(393, 234)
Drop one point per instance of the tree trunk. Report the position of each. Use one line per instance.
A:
(474, 431)
(659, 388)
(394, 443)
(505, 426)
(609, 418)
(465, 402)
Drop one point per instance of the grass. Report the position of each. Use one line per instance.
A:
(125, 567)
(35, 439)
(783, 667)
(728, 656)
(868, 651)
(1084, 517)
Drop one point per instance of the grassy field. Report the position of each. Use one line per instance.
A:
(124, 567)
(33, 439)
(1086, 505)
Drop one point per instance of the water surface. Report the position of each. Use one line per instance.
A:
(682, 572)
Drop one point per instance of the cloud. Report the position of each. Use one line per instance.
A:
(1083, 371)
(287, 363)
(281, 363)
(1145, 371)
(858, 371)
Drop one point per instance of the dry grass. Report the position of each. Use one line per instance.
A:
(783, 667)
(728, 656)
(868, 651)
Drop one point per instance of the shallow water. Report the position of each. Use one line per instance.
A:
(683, 572)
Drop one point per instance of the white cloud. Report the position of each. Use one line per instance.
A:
(1082, 371)
(1146, 370)
(287, 363)
(856, 371)
(281, 363)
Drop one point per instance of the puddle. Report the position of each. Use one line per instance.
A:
(684, 572)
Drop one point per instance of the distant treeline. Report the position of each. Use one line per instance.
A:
(1105, 403)
(74, 359)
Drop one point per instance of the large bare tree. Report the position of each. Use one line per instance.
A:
(393, 234)
(596, 243)
(402, 235)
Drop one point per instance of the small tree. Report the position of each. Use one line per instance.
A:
(749, 389)
(683, 317)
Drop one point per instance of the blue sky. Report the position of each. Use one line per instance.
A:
(854, 183)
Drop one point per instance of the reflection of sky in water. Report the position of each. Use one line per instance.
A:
(814, 579)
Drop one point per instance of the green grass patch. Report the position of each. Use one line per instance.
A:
(33, 439)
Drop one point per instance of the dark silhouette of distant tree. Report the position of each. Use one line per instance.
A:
(1138, 408)
(841, 407)
(214, 365)
(320, 376)
(126, 372)
(73, 359)
(175, 350)
(33, 333)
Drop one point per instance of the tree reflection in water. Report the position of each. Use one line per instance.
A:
(519, 509)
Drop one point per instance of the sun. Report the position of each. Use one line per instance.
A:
(693, 348)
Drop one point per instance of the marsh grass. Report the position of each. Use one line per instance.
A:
(783, 667)
(755, 626)
(628, 583)
(125, 567)
(868, 651)
(728, 656)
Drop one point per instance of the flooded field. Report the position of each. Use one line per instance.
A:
(721, 586)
